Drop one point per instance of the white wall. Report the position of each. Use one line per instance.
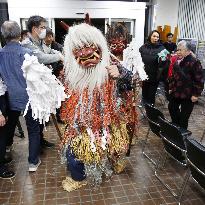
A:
(166, 13)
(67, 9)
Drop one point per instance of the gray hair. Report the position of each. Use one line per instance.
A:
(10, 30)
(186, 44)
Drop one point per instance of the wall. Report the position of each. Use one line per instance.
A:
(166, 13)
(192, 19)
(69, 9)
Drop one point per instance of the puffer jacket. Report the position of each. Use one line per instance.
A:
(149, 55)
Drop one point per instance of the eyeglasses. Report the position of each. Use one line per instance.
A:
(42, 27)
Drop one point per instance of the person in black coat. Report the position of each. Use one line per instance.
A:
(50, 42)
(149, 52)
(169, 45)
(4, 172)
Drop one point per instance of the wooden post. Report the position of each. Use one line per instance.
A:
(56, 126)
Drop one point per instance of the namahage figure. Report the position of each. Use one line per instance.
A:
(99, 110)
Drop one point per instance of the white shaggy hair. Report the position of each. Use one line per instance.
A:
(78, 77)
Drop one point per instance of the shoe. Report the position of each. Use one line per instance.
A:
(6, 174)
(7, 160)
(33, 167)
(9, 148)
(20, 135)
(45, 143)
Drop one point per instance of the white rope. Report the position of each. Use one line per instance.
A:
(132, 60)
(45, 91)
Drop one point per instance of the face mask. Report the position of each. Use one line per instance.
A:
(42, 34)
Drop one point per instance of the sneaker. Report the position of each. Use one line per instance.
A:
(9, 148)
(45, 143)
(6, 174)
(33, 167)
(20, 135)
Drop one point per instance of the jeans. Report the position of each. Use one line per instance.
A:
(75, 167)
(33, 127)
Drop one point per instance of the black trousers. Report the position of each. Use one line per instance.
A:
(13, 118)
(180, 111)
(34, 133)
(149, 90)
(3, 137)
(2, 144)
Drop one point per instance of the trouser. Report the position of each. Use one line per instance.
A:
(41, 127)
(34, 133)
(13, 117)
(180, 111)
(75, 167)
(13, 120)
(20, 130)
(3, 108)
(149, 90)
(2, 144)
(33, 137)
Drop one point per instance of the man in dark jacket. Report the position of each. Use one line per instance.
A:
(169, 45)
(185, 84)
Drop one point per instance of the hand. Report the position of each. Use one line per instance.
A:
(61, 56)
(113, 71)
(2, 121)
(194, 98)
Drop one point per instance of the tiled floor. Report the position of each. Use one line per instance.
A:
(136, 186)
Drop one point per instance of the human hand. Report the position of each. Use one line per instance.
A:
(2, 120)
(194, 98)
(61, 56)
(113, 71)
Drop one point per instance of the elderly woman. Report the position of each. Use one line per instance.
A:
(185, 84)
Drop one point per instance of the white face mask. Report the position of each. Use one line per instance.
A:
(42, 34)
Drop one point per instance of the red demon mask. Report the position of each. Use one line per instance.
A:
(88, 56)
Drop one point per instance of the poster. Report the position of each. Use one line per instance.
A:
(193, 41)
(201, 53)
